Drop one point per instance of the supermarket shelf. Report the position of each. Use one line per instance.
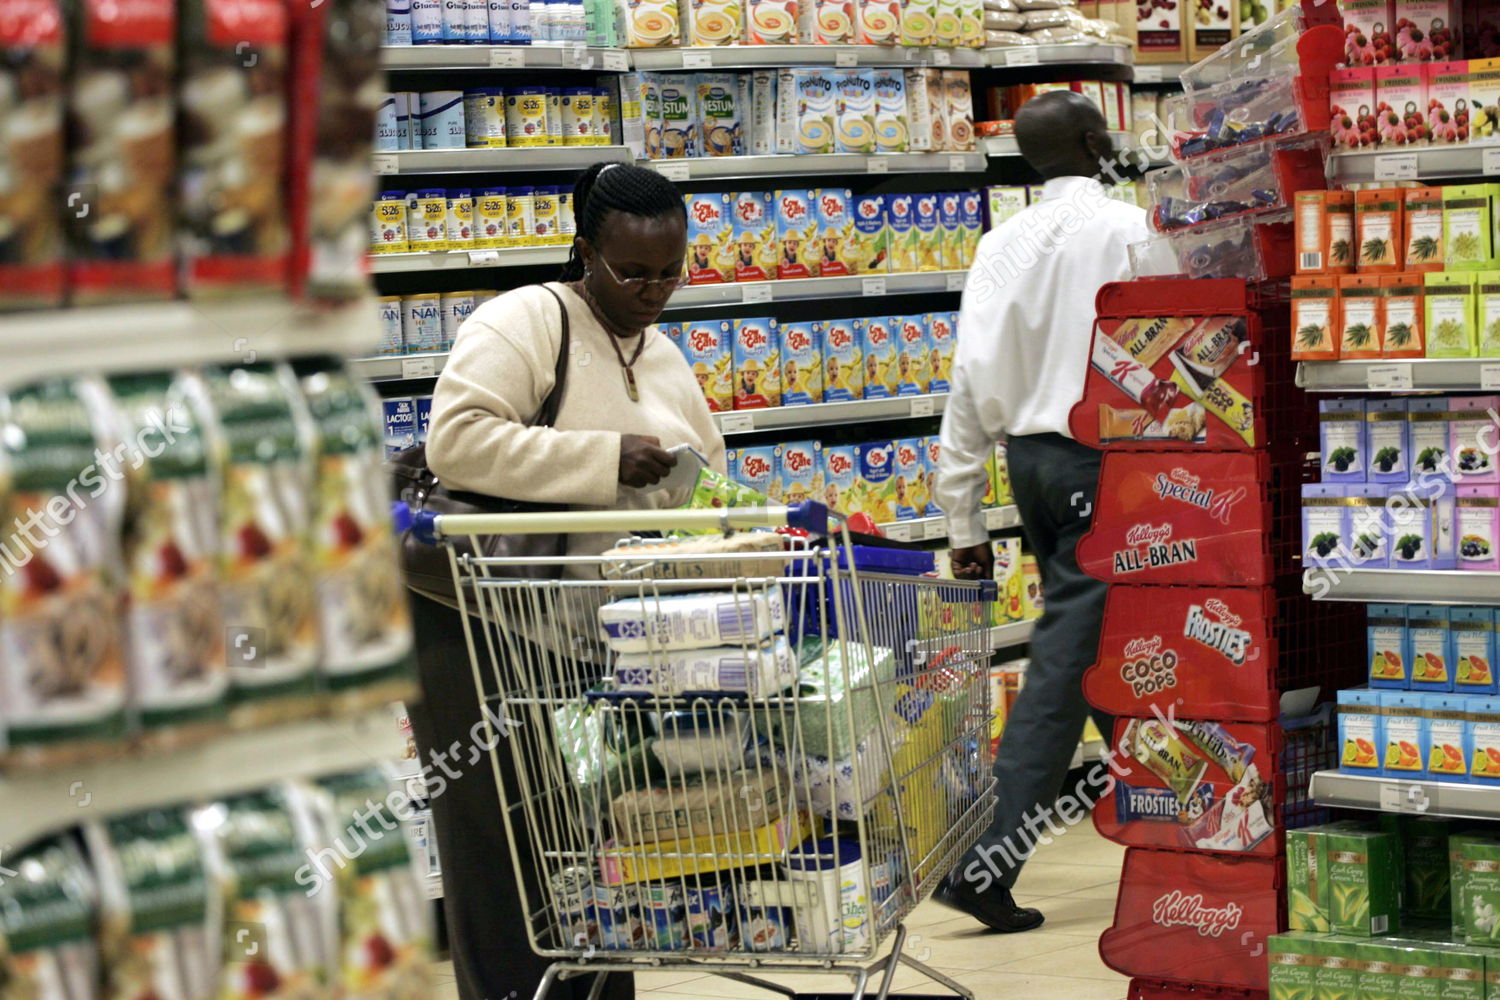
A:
(933, 529)
(790, 164)
(1431, 163)
(756, 56)
(1006, 145)
(1086, 54)
(1405, 795)
(172, 334)
(395, 367)
(1399, 586)
(487, 161)
(419, 57)
(46, 801)
(1399, 375)
(449, 260)
(830, 414)
(1164, 74)
(788, 289)
(1012, 634)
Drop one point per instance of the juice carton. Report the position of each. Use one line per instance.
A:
(753, 229)
(843, 360)
(901, 221)
(1428, 422)
(712, 22)
(835, 230)
(1326, 535)
(801, 363)
(757, 363)
(720, 130)
(889, 86)
(1431, 650)
(942, 333)
(1378, 229)
(711, 254)
(1448, 307)
(799, 466)
(1401, 105)
(950, 229)
(870, 242)
(909, 492)
(880, 352)
(927, 223)
(1405, 733)
(756, 468)
(1387, 645)
(1359, 315)
(1468, 236)
(1315, 317)
(1467, 437)
(1401, 316)
(1343, 430)
(678, 94)
(1361, 731)
(1352, 107)
(841, 479)
(1484, 732)
(1367, 32)
(708, 346)
(1473, 649)
(932, 451)
(1447, 92)
(913, 372)
(875, 462)
(971, 221)
(1294, 960)
(1477, 516)
(879, 22)
(1388, 440)
(854, 116)
(1364, 881)
(795, 226)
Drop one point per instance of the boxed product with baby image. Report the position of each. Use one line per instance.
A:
(796, 226)
(708, 346)
(757, 363)
(834, 231)
(875, 462)
(711, 255)
(879, 347)
(678, 94)
(799, 466)
(719, 115)
(913, 373)
(802, 363)
(909, 492)
(844, 366)
(753, 229)
(841, 479)
(854, 120)
(870, 241)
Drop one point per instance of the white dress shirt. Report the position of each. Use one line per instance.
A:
(1024, 332)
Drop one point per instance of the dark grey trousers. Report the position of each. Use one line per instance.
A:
(1054, 480)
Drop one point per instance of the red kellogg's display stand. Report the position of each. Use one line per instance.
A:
(1205, 626)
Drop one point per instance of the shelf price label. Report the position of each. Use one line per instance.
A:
(696, 60)
(899, 532)
(872, 286)
(760, 291)
(1396, 167)
(1489, 159)
(934, 529)
(507, 57)
(419, 367)
(846, 57)
(736, 423)
(677, 170)
(877, 165)
(1388, 378)
(1405, 797)
(1021, 56)
(1489, 375)
(954, 282)
(614, 61)
(1148, 74)
(483, 258)
(922, 406)
(384, 163)
(958, 164)
(942, 57)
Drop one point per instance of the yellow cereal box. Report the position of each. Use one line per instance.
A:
(709, 348)
(843, 352)
(841, 479)
(991, 497)
(710, 239)
(1008, 575)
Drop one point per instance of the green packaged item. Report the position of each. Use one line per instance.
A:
(1306, 880)
(1475, 873)
(603, 757)
(836, 707)
(1364, 882)
(1337, 974)
(47, 946)
(1384, 964)
(1425, 843)
(714, 492)
(1294, 960)
(1462, 972)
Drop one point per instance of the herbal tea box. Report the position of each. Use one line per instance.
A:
(1325, 524)
(1448, 304)
(1315, 307)
(1401, 105)
(1476, 877)
(1367, 25)
(1469, 442)
(1387, 645)
(1378, 230)
(1405, 733)
(1359, 315)
(1361, 730)
(1484, 739)
(1294, 961)
(1369, 542)
(1401, 317)
(1468, 236)
(1342, 430)
(1364, 882)
(1424, 228)
(1487, 312)
(1447, 102)
(1388, 441)
(1477, 517)
(1474, 648)
(1426, 30)
(1427, 419)
(1311, 234)
(1435, 497)
(1431, 650)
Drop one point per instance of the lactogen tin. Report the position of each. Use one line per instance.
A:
(489, 219)
(460, 219)
(422, 322)
(526, 116)
(442, 117)
(400, 420)
(390, 325)
(456, 306)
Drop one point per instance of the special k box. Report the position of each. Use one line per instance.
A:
(708, 346)
(757, 363)
(710, 236)
(801, 363)
(796, 221)
(841, 479)
(877, 488)
(835, 229)
(880, 354)
(901, 222)
(909, 474)
(913, 376)
(753, 225)
(799, 467)
(870, 243)
(942, 334)
(843, 353)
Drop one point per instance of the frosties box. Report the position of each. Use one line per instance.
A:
(755, 468)
(801, 363)
(796, 219)
(901, 221)
(875, 461)
(908, 478)
(843, 360)
(928, 229)
(708, 346)
(757, 363)
(942, 335)
(753, 227)
(835, 230)
(870, 243)
(799, 467)
(932, 451)
(710, 251)
(950, 224)
(912, 373)
(841, 479)
(880, 354)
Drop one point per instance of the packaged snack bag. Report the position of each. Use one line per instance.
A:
(757, 363)
(870, 251)
(914, 375)
(711, 255)
(754, 233)
(875, 461)
(879, 347)
(835, 230)
(843, 352)
(708, 346)
(799, 466)
(49, 907)
(796, 224)
(942, 332)
(802, 363)
(909, 491)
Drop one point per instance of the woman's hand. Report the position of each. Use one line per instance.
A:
(643, 461)
(973, 562)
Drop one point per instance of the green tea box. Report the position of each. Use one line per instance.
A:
(1364, 882)
(1448, 301)
(1462, 973)
(1467, 232)
(1306, 880)
(1383, 966)
(1475, 872)
(1337, 974)
(1294, 961)
(1425, 844)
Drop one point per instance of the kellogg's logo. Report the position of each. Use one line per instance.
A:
(793, 208)
(705, 212)
(1175, 909)
(753, 337)
(797, 459)
(798, 340)
(755, 466)
(869, 209)
(703, 340)
(840, 336)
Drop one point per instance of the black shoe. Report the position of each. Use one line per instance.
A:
(996, 909)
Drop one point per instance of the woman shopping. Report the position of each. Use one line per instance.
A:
(628, 396)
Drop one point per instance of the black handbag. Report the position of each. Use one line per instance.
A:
(426, 566)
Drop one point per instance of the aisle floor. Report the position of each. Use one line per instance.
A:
(1072, 881)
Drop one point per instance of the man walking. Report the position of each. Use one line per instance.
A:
(1023, 350)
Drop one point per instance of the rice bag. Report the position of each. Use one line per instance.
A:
(691, 621)
(757, 672)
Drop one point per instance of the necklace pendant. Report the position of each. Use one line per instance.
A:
(635, 395)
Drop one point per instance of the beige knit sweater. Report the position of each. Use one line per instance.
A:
(501, 370)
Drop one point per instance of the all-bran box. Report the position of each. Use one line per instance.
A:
(913, 376)
(841, 479)
(927, 227)
(870, 244)
(835, 231)
(801, 363)
(753, 227)
(942, 334)
(971, 219)
(932, 450)
(875, 461)
(900, 216)
(711, 252)
(757, 363)
(708, 346)
(796, 222)
(950, 224)
(755, 468)
(909, 478)
(843, 360)
(880, 353)
(799, 467)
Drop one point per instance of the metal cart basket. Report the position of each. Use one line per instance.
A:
(737, 759)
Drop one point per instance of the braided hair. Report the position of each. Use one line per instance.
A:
(617, 187)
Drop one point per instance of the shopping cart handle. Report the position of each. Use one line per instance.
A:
(401, 516)
(424, 527)
(809, 515)
(989, 591)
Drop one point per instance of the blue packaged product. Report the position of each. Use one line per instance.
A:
(942, 334)
(1388, 646)
(1342, 435)
(1421, 525)
(398, 22)
(755, 467)
(1388, 441)
(932, 451)
(710, 914)
(843, 360)
(1427, 420)
(618, 910)
(1449, 741)
(1405, 733)
(1361, 731)
(399, 418)
(1160, 805)
(875, 461)
(477, 22)
(426, 22)
(520, 22)
(1431, 647)
(1369, 537)
(387, 124)
(499, 16)
(909, 466)
(801, 363)
(1484, 740)
(665, 911)
(799, 468)
(913, 375)
(455, 21)
(1325, 524)
(424, 417)
(841, 479)
(879, 346)
(1474, 647)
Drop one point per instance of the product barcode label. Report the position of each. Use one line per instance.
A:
(846, 57)
(1388, 378)
(872, 286)
(736, 423)
(614, 61)
(675, 170)
(696, 60)
(1396, 167)
(878, 165)
(1310, 261)
(758, 292)
(481, 258)
(954, 282)
(507, 57)
(942, 57)
(383, 163)
(898, 532)
(1021, 56)
(958, 164)
(419, 367)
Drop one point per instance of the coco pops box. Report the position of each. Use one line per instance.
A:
(757, 363)
(753, 231)
(802, 363)
(796, 225)
(710, 235)
(880, 357)
(708, 346)
(843, 360)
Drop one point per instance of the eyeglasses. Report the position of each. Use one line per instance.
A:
(644, 284)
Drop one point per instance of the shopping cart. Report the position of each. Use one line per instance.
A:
(779, 803)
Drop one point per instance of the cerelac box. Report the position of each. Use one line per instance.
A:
(795, 224)
(710, 253)
(754, 232)
(880, 353)
(801, 363)
(835, 228)
(912, 374)
(708, 346)
(843, 364)
(942, 333)
(870, 250)
(799, 467)
(757, 363)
